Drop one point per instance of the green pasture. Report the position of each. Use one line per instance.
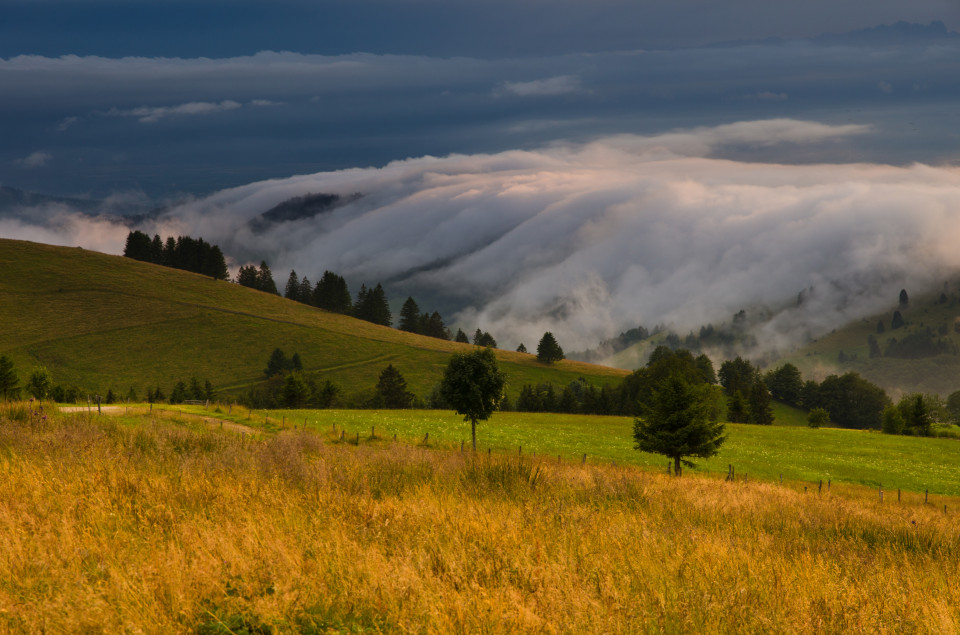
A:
(797, 453)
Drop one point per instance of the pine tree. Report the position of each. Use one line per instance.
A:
(760, 410)
(295, 363)
(461, 337)
(433, 326)
(292, 290)
(410, 317)
(8, 378)
(521, 348)
(179, 393)
(392, 389)
(305, 292)
(247, 277)
(138, 246)
(331, 294)
(196, 390)
(904, 299)
(156, 250)
(548, 350)
(477, 337)
(897, 320)
(679, 423)
(277, 363)
(265, 279)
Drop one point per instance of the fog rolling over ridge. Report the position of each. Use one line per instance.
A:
(589, 240)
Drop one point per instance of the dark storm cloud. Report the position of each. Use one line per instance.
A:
(362, 109)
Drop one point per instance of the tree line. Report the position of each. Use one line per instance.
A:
(183, 252)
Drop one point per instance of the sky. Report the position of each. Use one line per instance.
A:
(523, 165)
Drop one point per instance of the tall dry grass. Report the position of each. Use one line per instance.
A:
(163, 527)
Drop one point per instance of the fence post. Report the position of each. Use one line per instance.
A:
(880, 489)
(898, 494)
(461, 445)
(584, 459)
(926, 496)
(373, 431)
(828, 485)
(425, 437)
(358, 438)
(342, 432)
(820, 487)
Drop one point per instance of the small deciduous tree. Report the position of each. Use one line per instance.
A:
(818, 418)
(521, 348)
(473, 386)
(39, 384)
(680, 422)
(548, 350)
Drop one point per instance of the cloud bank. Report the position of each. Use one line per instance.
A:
(586, 240)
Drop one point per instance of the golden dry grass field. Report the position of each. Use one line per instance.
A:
(162, 525)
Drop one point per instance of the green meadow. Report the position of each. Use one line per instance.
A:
(801, 455)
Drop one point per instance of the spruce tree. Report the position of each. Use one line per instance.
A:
(265, 279)
(247, 277)
(760, 410)
(331, 294)
(410, 317)
(548, 350)
(277, 363)
(292, 290)
(679, 422)
(904, 299)
(392, 389)
(897, 320)
(8, 378)
(305, 292)
(156, 250)
(138, 246)
(461, 337)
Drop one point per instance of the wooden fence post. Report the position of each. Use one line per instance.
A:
(820, 487)
(584, 460)
(880, 489)
(898, 494)
(926, 495)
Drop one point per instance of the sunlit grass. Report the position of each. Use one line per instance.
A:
(165, 526)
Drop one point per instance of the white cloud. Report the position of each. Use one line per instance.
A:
(153, 114)
(551, 86)
(588, 240)
(262, 103)
(885, 87)
(36, 160)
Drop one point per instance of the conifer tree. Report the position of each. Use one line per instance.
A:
(548, 350)
(247, 277)
(760, 410)
(292, 290)
(8, 378)
(392, 389)
(331, 294)
(521, 348)
(461, 337)
(410, 317)
(679, 423)
(265, 279)
(305, 292)
(277, 363)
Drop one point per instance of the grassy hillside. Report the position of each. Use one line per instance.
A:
(177, 528)
(102, 321)
(937, 374)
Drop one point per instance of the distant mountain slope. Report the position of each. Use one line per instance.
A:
(102, 321)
